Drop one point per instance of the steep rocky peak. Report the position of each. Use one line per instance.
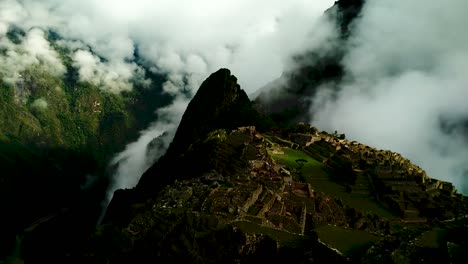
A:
(219, 103)
(216, 95)
(221, 87)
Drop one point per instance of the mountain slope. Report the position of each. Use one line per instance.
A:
(219, 103)
(284, 194)
(58, 134)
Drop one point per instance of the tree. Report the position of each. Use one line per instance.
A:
(301, 162)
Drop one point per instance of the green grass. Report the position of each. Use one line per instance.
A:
(347, 241)
(290, 156)
(321, 182)
(430, 238)
(289, 159)
(278, 235)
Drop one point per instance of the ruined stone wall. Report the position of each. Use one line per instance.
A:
(302, 222)
(267, 206)
(252, 199)
(309, 189)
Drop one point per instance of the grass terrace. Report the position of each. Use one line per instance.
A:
(313, 172)
(347, 241)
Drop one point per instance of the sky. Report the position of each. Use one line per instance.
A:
(406, 71)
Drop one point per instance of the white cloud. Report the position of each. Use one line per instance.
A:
(186, 40)
(40, 103)
(253, 38)
(138, 156)
(37, 46)
(33, 50)
(114, 76)
(10, 12)
(408, 63)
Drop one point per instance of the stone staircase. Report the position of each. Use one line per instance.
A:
(361, 189)
(302, 222)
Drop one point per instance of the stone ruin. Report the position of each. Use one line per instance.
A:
(403, 186)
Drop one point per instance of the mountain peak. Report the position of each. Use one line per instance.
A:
(219, 103)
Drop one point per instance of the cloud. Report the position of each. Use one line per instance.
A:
(40, 104)
(406, 75)
(34, 49)
(114, 76)
(10, 12)
(133, 161)
(251, 38)
(184, 40)
(138, 156)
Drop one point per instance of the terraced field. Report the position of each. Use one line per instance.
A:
(360, 201)
(313, 172)
(276, 234)
(355, 240)
(430, 238)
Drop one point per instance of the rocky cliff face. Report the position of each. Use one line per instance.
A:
(219, 103)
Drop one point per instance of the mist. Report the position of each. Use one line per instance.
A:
(183, 40)
(406, 85)
(138, 156)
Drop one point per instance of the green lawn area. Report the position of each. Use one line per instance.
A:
(291, 155)
(321, 182)
(370, 205)
(278, 235)
(347, 241)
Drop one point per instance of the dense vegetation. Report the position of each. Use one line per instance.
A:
(57, 135)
